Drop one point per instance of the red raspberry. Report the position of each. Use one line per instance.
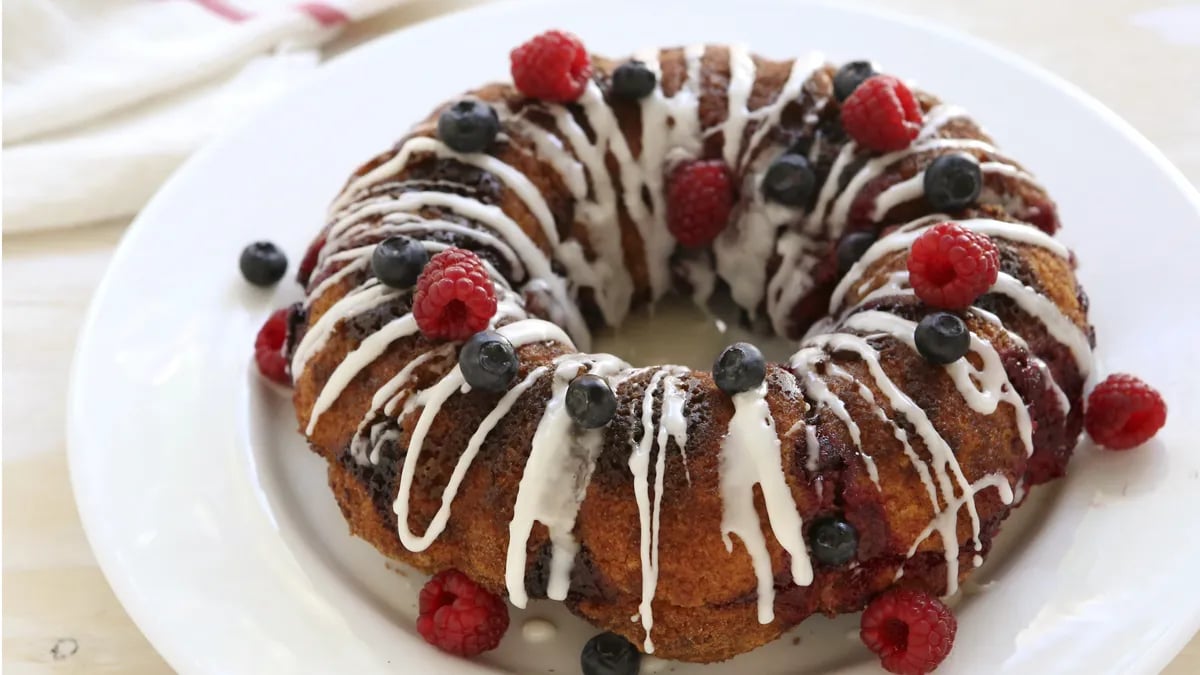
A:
(950, 266)
(309, 263)
(455, 297)
(882, 114)
(460, 616)
(1043, 215)
(699, 201)
(268, 348)
(553, 66)
(911, 631)
(1123, 412)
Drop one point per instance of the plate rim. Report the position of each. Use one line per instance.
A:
(174, 649)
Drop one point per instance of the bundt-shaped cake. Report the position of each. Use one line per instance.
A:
(716, 516)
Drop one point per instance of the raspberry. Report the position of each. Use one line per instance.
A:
(1123, 412)
(950, 266)
(553, 66)
(455, 297)
(460, 616)
(309, 263)
(699, 200)
(912, 632)
(269, 347)
(882, 114)
(1042, 214)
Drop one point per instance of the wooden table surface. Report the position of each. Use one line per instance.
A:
(60, 615)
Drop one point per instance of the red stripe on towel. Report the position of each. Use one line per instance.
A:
(326, 15)
(224, 10)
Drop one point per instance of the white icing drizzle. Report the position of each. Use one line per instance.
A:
(354, 363)
(819, 392)
(981, 389)
(557, 471)
(914, 188)
(639, 464)
(750, 455)
(742, 73)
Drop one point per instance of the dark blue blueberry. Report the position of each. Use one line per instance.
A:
(591, 403)
(488, 361)
(852, 247)
(262, 263)
(833, 540)
(790, 180)
(952, 182)
(398, 261)
(942, 338)
(633, 80)
(609, 654)
(468, 126)
(741, 367)
(849, 76)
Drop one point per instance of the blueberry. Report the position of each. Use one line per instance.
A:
(591, 403)
(789, 180)
(942, 338)
(609, 654)
(833, 540)
(851, 248)
(633, 80)
(262, 263)
(398, 261)
(741, 367)
(468, 126)
(488, 361)
(952, 182)
(849, 76)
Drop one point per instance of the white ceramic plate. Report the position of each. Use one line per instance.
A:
(212, 521)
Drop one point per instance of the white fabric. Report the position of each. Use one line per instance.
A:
(104, 98)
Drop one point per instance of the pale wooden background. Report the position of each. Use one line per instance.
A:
(1141, 57)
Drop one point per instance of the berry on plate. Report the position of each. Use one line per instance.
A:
(488, 361)
(950, 266)
(553, 66)
(1123, 412)
(911, 631)
(269, 347)
(262, 263)
(455, 297)
(882, 115)
(609, 654)
(590, 402)
(740, 367)
(459, 616)
(468, 126)
(699, 201)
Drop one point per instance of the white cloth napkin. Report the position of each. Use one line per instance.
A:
(104, 98)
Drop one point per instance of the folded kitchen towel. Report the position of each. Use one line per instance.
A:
(104, 98)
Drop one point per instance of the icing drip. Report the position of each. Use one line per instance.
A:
(672, 425)
(750, 455)
(431, 400)
(817, 390)
(559, 467)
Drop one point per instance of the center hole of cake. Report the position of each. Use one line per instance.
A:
(676, 331)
